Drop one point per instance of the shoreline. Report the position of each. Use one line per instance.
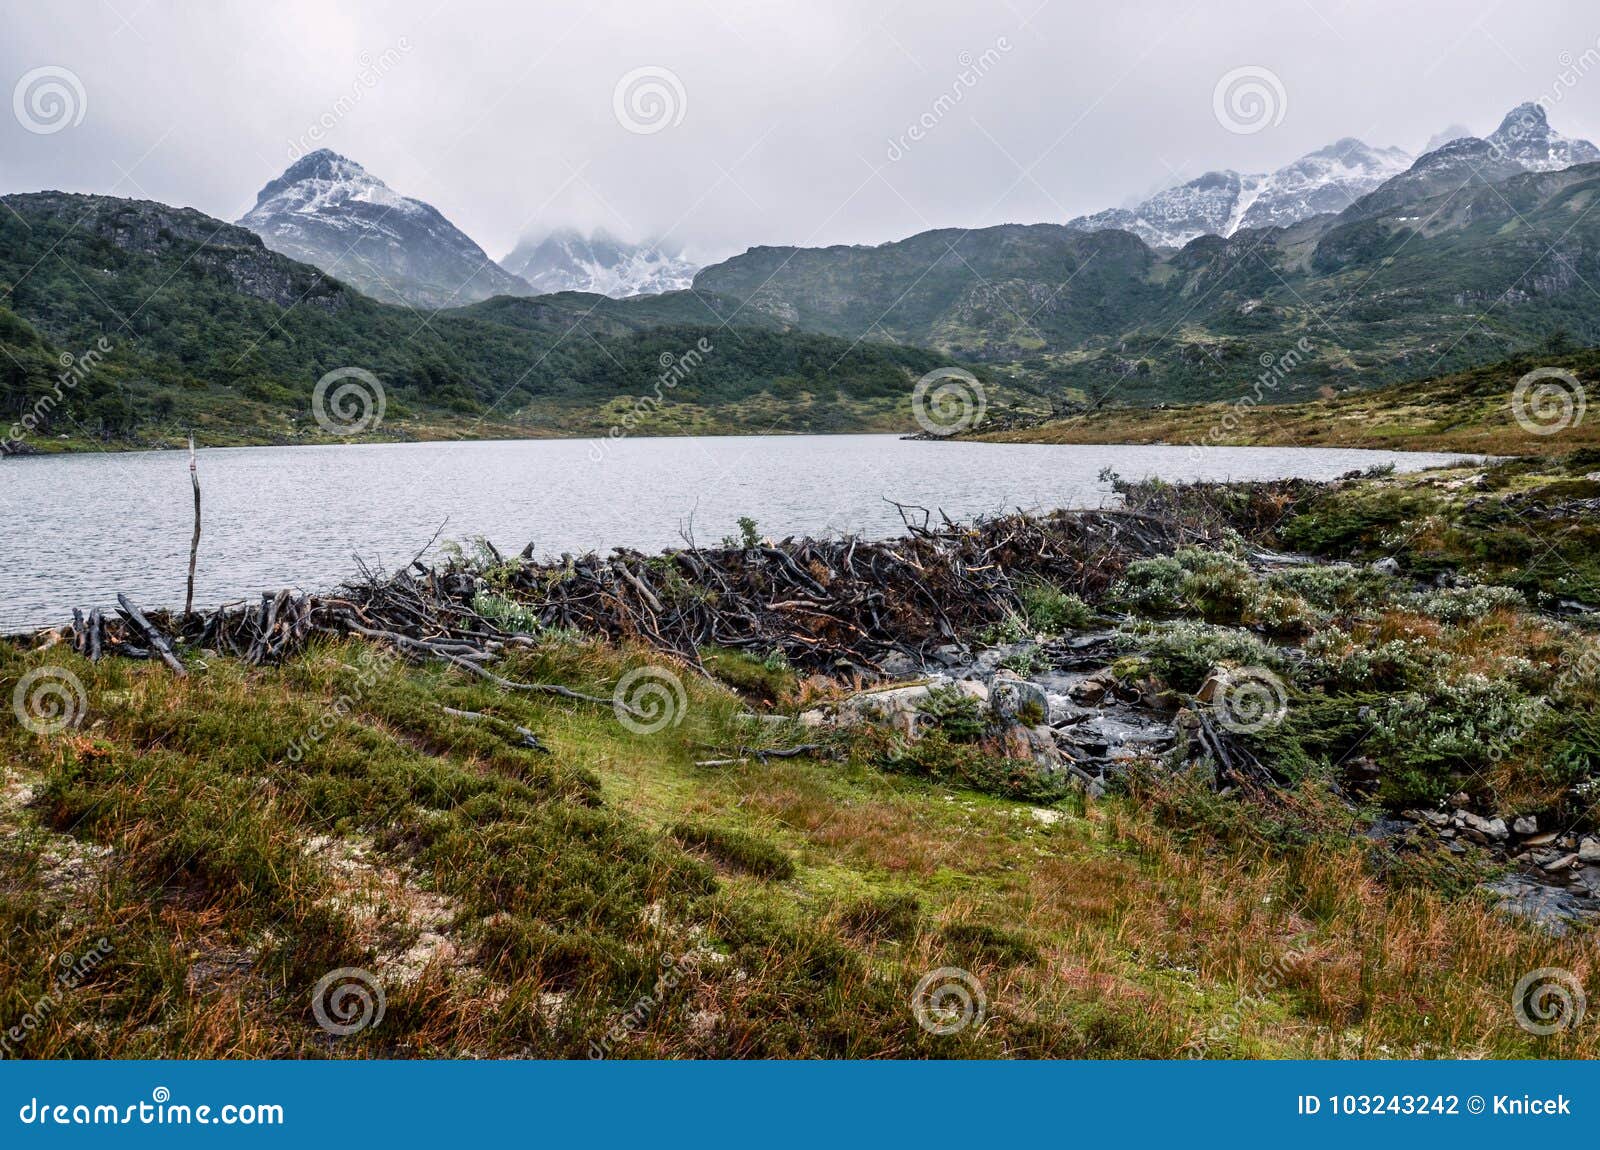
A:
(308, 556)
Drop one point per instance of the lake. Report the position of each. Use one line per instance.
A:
(81, 528)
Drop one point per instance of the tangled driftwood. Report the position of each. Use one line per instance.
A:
(840, 605)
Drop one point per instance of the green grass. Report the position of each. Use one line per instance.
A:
(736, 849)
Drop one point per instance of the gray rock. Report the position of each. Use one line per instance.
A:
(1554, 909)
(1589, 850)
(896, 707)
(1035, 744)
(1092, 690)
(1064, 712)
(950, 654)
(1492, 830)
(974, 688)
(1010, 696)
(1525, 825)
(1388, 565)
(899, 665)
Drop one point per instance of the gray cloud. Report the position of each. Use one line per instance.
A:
(801, 122)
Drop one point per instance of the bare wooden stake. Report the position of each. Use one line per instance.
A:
(194, 543)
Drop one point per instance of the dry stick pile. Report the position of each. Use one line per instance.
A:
(834, 605)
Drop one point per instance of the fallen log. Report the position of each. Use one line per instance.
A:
(157, 641)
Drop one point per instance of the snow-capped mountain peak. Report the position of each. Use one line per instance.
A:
(329, 211)
(1525, 135)
(568, 260)
(1329, 179)
(1524, 142)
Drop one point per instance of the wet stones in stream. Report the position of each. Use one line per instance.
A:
(1059, 705)
(1070, 716)
(1553, 876)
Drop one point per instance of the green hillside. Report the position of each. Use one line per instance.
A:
(1402, 289)
(206, 327)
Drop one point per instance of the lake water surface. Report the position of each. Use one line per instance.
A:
(80, 528)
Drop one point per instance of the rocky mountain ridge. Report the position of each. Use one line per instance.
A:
(330, 212)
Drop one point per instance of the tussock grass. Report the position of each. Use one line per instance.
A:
(512, 902)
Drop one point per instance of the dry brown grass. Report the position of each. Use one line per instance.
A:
(553, 888)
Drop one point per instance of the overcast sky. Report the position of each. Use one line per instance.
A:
(757, 121)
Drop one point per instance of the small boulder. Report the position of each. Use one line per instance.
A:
(974, 688)
(1589, 850)
(1565, 862)
(895, 707)
(1525, 825)
(1480, 829)
(1091, 692)
(1031, 744)
(1016, 700)
(899, 665)
(1388, 565)
(950, 654)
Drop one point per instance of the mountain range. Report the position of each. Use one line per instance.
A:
(1220, 203)
(329, 211)
(1332, 179)
(1477, 249)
